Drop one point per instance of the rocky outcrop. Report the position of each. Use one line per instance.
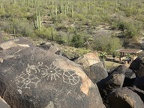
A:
(107, 85)
(92, 66)
(129, 74)
(125, 98)
(34, 78)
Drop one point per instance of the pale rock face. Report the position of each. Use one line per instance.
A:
(3, 104)
(88, 59)
(92, 66)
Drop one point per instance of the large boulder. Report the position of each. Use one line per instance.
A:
(125, 98)
(35, 78)
(3, 104)
(138, 66)
(92, 66)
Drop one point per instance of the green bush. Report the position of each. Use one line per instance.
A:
(106, 44)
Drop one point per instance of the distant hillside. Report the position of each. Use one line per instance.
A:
(77, 23)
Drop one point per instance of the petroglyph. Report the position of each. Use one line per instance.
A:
(25, 81)
(52, 72)
(33, 74)
(70, 77)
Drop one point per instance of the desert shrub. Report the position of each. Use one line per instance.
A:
(106, 44)
(47, 33)
(19, 27)
(77, 41)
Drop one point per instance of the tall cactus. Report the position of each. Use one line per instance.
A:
(38, 21)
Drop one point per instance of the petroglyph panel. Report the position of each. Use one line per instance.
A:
(34, 74)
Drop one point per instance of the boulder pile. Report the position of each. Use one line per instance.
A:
(41, 77)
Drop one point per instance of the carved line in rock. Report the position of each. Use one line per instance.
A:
(70, 77)
(34, 74)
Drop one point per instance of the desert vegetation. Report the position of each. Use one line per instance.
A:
(74, 22)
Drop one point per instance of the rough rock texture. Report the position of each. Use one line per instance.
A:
(125, 98)
(88, 59)
(34, 78)
(3, 104)
(138, 91)
(12, 47)
(122, 69)
(139, 83)
(93, 67)
(138, 66)
(129, 74)
(50, 47)
(22, 42)
(110, 83)
(97, 72)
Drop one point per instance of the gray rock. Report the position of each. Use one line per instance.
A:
(35, 78)
(21, 42)
(48, 46)
(122, 69)
(129, 74)
(125, 98)
(107, 85)
(97, 72)
(138, 91)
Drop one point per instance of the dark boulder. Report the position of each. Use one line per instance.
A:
(107, 85)
(3, 104)
(125, 98)
(35, 78)
(129, 74)
(97, 72)
(138, 66)
(122, 69)
(93, 67)
(139, 83)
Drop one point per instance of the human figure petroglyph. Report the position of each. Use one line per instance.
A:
(26, 80)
